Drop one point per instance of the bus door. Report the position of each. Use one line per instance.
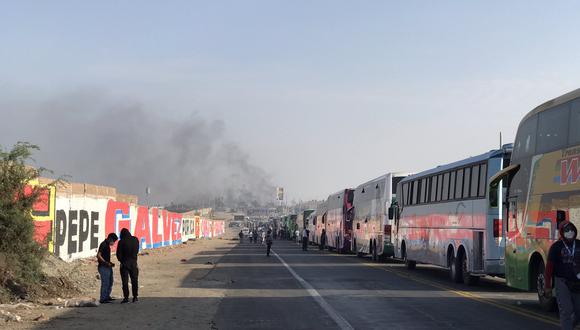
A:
(512, 238)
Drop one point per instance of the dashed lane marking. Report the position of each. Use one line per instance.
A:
(340, 321)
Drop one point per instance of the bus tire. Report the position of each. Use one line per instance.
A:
(410, 264)
(455, 269)
(467, 278)
(547, 304)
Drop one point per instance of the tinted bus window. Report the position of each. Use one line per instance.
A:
(452, 186)
(474, 181)
(433, 188)
(526, 140)
(466, 179)
(445, 195)
(415, 191)
(482, 180)
(423, 189)
(574, 134)
(405, 194)
(553, 129)
(459, 184)
(439, 186)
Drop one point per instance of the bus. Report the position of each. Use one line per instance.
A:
(543, 189)
(372, 228)
(317, 222)
(447, 217)
(303, 219)
(339, 220)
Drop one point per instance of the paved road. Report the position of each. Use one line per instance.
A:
(302, 290)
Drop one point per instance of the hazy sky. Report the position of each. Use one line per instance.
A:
(320, 94)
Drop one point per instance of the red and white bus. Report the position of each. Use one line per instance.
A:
(447, 217)
(339, 218)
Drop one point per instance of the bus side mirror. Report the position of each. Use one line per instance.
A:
(391, 213)
(560, 217)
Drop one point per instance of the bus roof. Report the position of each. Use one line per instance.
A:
(460, 163)
(553, 103)
(383, 177)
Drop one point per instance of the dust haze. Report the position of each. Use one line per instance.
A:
(95, 138)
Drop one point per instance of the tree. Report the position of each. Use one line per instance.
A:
(21, 253)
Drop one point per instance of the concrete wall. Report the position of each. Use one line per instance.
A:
(71, 220)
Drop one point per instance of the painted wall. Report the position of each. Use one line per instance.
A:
(71, 221)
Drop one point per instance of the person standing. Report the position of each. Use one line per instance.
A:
(263, 237)
(241, 236)
(322, 240)
(269, 241)
(304, 239)
(564, 265)
(105, 268)
(127, 251)
(255, 236)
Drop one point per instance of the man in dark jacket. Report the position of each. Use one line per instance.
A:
(564, 265)
(127, 251)
(106, 268)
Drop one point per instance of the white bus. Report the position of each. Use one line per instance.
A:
(447, 218)
(372, 228)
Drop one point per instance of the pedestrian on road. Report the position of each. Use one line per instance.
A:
(255, 236)
(564, 265)
(297, 236)
(263, 237)
(127, 251)
(105, 268)
(322, 240)
(251, 235)
(269, 241)
(241, 236)
(304, 239)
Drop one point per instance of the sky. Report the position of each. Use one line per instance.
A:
(316, 96)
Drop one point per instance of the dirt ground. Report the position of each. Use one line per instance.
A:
(175, 291)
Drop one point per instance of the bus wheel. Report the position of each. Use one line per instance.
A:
(467, 278)
(409, 263)
(546, 303)
(455, 269)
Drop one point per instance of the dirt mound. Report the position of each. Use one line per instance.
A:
(60, 279)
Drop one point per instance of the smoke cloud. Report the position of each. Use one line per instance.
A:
(95, 139)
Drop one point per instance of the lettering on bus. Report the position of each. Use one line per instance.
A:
(570, 173)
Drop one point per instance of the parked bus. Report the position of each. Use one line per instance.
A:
(339, 220)
(303, 219)
(445, 218)
(317, 223)
(371, 227)
(543, 189)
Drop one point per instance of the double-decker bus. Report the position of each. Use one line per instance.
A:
(445, 218)
(339, 220)
(371, 227)
(543, 189)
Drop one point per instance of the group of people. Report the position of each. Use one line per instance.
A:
(127, 250)
(265, 236)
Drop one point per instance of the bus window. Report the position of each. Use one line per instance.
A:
(574, 134)
(459, 184)
(423, 190)
(482, 180)
(445, 195)
(405, 198)
(466, 179)
(415, 192)
(474, 180)
(439, 186)
(433, 188)
(452, 186)
(553, 129)
(526, 140)
(493, 196)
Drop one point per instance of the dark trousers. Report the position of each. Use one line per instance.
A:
(130, 269)
(305, 243)
(269, 246)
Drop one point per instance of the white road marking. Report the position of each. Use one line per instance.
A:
(340, 321)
